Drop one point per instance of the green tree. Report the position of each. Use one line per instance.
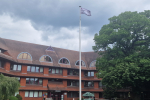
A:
(124, 49)
(8, 86)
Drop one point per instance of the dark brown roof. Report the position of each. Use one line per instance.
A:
(14, 48)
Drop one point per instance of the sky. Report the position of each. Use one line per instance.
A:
(56, 22)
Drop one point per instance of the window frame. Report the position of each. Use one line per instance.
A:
(65, 59)
(28, 94)
(28, 54)
(44, 59)
(71, 82)
(12, 67)
(2, 64)
(73, 94)
(93, 62)
(88, 73)
(51, 72)
(87, 85)
(34, 82)
(35, 69)
(71, 70)
(81, 63)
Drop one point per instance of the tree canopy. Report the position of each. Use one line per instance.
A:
(124, 49)
(8, 86)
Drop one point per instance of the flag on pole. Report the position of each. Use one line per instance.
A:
(85, 11)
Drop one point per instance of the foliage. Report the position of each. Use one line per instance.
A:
(123, 46)
(19, 97)
(9, 85)
(13, 98)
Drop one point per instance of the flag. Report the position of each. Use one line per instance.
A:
(85, 11)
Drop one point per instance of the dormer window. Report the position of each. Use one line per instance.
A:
(82, 63)
(93, 63)
(24, 56)
(46, 58)
(2, 50)
(64, 61)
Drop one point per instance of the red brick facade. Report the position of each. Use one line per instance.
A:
(51, 78)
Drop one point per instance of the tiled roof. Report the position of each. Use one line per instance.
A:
(14, 48)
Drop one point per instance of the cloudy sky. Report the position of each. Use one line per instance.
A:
(56, 22)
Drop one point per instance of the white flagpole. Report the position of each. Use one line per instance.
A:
(80, 56)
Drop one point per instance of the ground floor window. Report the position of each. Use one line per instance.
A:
(72, 94)
(33, 93)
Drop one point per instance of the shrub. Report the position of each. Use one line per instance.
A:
(13, 98)
(19, 97)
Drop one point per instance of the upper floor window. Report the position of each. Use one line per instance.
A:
(35, 69)
(89, 73)
(55, 70)
(73, 72)
(24, 56)
(36, 81)
(15, 67)
(46, 58)
(93, 63)
(88, 84)
(72, 83)
(82, 63)
(2, 63)
(33, 93)
(55, 80)
(64, 61)
(2, 50)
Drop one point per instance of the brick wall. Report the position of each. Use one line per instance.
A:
(65, 72)
(22, 82)
(24, 69)
(7, 66)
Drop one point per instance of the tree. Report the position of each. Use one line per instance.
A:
(8, 86)
(124, 49)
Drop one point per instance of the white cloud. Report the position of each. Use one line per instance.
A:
(22, 30)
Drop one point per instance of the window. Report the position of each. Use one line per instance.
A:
(33, 94)
(55, 80)
(24, 56)
(72, 83)
(36, 81)
(73, 72)
(2, 63)
(64, 61)
(46, 58)
(88, 84)
(82, 63)
(101, 85)
(35, 69)
(89, 73)
(55, 70)
(15, 67)
(93, 63)
(72, 94)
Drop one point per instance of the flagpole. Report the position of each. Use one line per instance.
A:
(80, 56)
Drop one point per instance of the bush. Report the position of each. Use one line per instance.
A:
(13, 98)
(19, 97)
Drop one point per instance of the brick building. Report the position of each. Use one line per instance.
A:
(45, 71)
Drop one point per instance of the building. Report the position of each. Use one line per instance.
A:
(45, 71)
